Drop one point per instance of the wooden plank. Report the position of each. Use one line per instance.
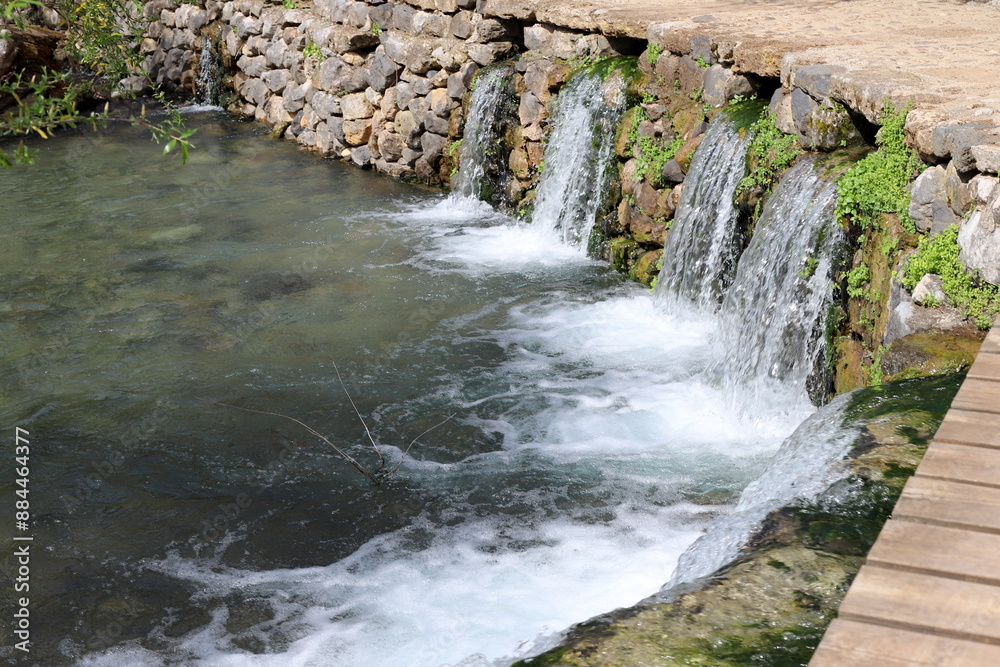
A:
(949, 503)
(852, 644)
(992, 342)
(986, 367)
(980, 395)
(962, 427)
(920, 602)
(949, 552)
(976, 465)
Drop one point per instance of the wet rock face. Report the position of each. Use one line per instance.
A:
(772, 605)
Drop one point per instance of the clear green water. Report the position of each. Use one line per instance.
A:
(585, 453)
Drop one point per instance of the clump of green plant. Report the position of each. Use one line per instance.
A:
(648, 97)
(312, 50)
(376, 29)
(702, 62)
(652, 155)
(877, 183)
(288, 4)
(857, 278)
(977, 299)
(771, 152)
(653, 52)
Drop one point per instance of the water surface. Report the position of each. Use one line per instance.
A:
(586, 451)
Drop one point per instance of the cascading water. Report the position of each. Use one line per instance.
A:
(579, 155)
(699, 257)
(774, 313)
(805, 465)
(772, 325)
(209, 90)
(483, 129)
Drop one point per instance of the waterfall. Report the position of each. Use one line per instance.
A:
(579, 155)
(207, 87)
(699, 257)
(805, 466)
(772, 321)
(478, 153)
(773, 315)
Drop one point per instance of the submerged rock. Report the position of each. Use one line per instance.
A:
(272, 284)
(773, 603)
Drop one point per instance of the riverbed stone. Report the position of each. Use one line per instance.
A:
(722, 84)
(432, 146)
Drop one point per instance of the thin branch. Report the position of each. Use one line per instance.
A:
(405, 451)
(347, 457)
(358, 413)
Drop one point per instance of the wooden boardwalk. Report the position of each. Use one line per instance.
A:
(929, 593)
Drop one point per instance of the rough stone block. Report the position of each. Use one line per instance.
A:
(356, 106)
(980, 245)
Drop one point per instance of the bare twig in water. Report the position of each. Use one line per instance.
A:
(358, 413)
(380, 473)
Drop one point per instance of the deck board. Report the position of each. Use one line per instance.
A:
(866, 645)
(929, 592)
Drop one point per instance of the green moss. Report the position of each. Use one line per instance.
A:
(847, 519)
(771, 152)
(977, 300)
(877, 183)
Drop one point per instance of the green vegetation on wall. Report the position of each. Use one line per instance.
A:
(938, 255)
(771, 153)
(877, 183)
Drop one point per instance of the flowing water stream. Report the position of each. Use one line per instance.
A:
(587, 449)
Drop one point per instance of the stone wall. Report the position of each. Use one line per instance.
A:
(387, 86)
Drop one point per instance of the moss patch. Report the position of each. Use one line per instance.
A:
(771, 606)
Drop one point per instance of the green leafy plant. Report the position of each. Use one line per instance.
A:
(288, 4)
(698, 92)
(702, 62)
(857, 278)
(312, 50)
(653, 52)
(376, 29)
(101, 38)
(771, 152)
(652, 155)
(938, 255)
(877, 183)
(648, 97)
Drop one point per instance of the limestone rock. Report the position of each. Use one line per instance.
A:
(930, 291)
(356, 106)
(980, 245)
(722, 85)
(821, 127)
(409, 127)
(987, 157)
(672, 172)
(382, 72)
(391, 145)
(907, 317)
(433, 146)
(276, 79)
(361, 156)
(929, 207)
